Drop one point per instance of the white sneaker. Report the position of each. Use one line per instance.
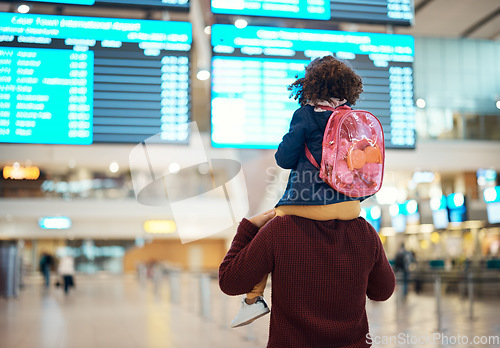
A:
(249, 313)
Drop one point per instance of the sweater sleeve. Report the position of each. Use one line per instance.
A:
(248, 260)
(381, 281)
(292, 144)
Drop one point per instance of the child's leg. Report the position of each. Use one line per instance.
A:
(253, 306)
(258, 290)
(280, 211)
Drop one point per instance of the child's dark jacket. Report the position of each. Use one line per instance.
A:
(304, 186)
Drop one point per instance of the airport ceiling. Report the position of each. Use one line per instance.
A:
(475, 19)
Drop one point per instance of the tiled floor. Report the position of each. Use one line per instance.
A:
(121, 312)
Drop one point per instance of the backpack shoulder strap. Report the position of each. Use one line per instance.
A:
(310, 157)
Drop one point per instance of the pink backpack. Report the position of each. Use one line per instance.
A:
(353, 152)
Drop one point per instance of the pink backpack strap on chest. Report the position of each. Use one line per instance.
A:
(310, 157)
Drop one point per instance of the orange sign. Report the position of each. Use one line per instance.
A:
(159, 226)
(21, 173)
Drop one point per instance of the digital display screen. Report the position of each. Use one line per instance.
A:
(142, 3)
(440, 218)
(493, 211)
(57, 223)
(373, 215)
(457, 208)
(306, 9)
(398, 12)
(155, 3)
(398, 222)
(38, 102)
(69, 2)
(78, 80)
(251, 68)
(492, 194)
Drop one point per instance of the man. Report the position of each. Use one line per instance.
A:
(322, 272)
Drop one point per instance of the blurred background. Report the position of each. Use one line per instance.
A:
(96, 104)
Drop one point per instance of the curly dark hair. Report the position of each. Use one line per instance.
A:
(325, 78)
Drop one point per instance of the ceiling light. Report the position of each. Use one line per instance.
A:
(114, 167)
(436, 203)
(490, 194)
(375, 212)
(411, 206)
(363, 213)
(458, 199)
(203, 75)
(240, 23)
(23, 8)
(421, 103)
(394, 209)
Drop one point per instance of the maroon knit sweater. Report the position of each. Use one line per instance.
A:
(322, 272)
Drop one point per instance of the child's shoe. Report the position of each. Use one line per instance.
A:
(250, 312)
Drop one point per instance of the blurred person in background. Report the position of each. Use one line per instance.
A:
(46, 263)
(66, 270)
(402, 264)
(416, 271)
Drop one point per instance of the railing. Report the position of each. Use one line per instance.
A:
(468, 281)
(445, 125)
(199, 287)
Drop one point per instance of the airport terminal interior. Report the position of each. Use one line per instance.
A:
(136, 135)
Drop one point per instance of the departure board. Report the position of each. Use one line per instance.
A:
(397, 12)
(155, 3)
(251, 68)
(306, 9)
(38, 102)
(69, 2)
(93, 79)
(173, 4)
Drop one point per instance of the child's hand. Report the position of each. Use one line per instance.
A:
(261, 219)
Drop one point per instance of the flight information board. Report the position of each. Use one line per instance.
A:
(180, 4)
(173, 4)
(251, 68)
(398, 12)
(306, 9)
(69, 2)
(93, 79)
(38, 102)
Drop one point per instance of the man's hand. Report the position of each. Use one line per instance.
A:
(261, 219)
